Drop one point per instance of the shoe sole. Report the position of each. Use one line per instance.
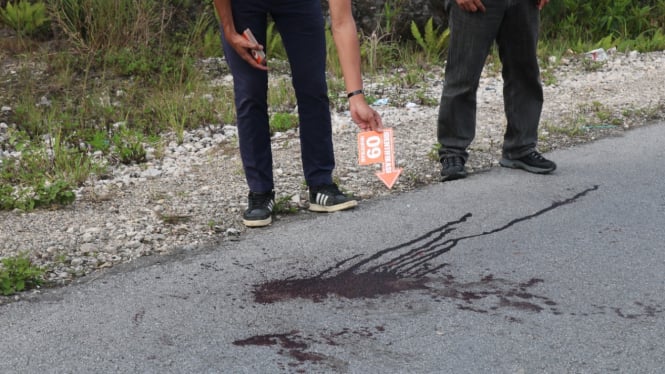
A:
(452, 177)
(516, 164)
(257, 222)
(332, 208)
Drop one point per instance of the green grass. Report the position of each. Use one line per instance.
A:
(281, 122)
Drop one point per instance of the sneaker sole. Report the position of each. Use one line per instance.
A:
(257, 222)
(516, 164)
(452, 177)
(332, 208)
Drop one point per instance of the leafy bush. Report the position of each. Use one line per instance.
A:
(430, 40)
(590, 21)
(38, 196)
(40, 177)
(18, 274)
(25, 18)
(129, 146)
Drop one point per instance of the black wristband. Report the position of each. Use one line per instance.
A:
(354, 93)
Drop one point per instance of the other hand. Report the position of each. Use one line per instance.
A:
(473, 5)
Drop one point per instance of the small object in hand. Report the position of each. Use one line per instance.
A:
(258, 55)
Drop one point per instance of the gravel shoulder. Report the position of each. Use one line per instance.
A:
(193, 196)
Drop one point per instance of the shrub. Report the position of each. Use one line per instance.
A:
(591, 21)
(430, 40)
(18, 274)
(25, 18)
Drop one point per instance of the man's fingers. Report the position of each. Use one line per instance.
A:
(479, 6)
(472, 6)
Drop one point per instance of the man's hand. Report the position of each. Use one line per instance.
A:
(243, 46)
(473, 5)
(365, 117)
(542, 3)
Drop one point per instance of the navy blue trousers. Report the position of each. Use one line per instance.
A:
(513, 24)
(301, 25)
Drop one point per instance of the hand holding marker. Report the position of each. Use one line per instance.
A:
(259, 55)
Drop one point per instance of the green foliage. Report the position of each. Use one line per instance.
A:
(182, 108)
(378, 52)
(280, 122)
(36, 179)
(128, 146)
(391, 9)
(332, 58)
(274, 45)
(18, 274)
(586, 22)
(25, 18)
(283, 205)
(38, 195)
(653, 40)
(432, 42)
(100, 142)
(211, 43)
(433, 153)
(58, 192)
(134, 38)
(101, 25)
(154, 66)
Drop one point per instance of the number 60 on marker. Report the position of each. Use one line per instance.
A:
(377, 148)
(371, 149)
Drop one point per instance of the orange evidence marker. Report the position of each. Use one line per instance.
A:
(258, 55)
(377, 147)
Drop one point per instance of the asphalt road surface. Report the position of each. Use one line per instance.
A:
(502, 272)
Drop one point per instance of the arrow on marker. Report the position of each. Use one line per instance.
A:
(377, 147)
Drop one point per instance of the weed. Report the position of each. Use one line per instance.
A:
(390, 12)
(433, 153)
(274, 45)
(94, 26)
(572, 128)
(281, 122)
(211, 45)
(332, 58)
(548, 77)
(211, 224)
(283, 205)
(423, 99)
(591, 65)
(584, 22)
(100, 142)
(432, 42)
(40, 195)
(377, 51)
(128, 146)
(281, 95)
(25, 18)
(18, 274)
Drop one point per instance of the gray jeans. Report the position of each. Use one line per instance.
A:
(513, 24)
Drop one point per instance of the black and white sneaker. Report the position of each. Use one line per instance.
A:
(532, 162)
(328, 198)
(259, 209)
